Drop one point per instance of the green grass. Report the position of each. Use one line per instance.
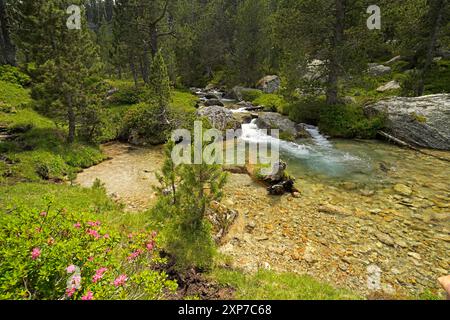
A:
(183, 101)
(269, 285)
(13, 94)
(39, 150)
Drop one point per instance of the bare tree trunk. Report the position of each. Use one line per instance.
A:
(8, 48)
(134, 72)
(436, 9)
(336, 53)
(71, 117)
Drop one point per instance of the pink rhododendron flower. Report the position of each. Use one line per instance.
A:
(88, 296)
(134, 255)
(93, 233)
(90, 259)
(43, 214)
(99, 275)
(106, 236)
(154, 234)
(77, 225)
(150, 246)
(70, 292)
(120, 280)
(35, 253)
(71, 269)
(130, 236)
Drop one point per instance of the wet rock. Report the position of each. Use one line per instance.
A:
(273, 120)
(334, 210)
(421, 121)
(385, 238)
(213, 102)
(403, 190)
(221, 219)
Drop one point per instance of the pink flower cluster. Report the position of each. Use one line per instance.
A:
(35, 253)
(89, 296)
(77, 225)
(94, 224)
(71, 269)
(120, 280)
(99, 275)
(133, 256)
(93, 233)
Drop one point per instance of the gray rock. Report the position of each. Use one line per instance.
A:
(272, 120)
(269, 84)
(220, 118)
(213, 102)
(378, 70)
(392, 85)
(421, 121)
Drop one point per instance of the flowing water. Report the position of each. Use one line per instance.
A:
(364, 205)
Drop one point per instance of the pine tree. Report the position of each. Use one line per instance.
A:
(159, 82)
(186, 232)
(66, 61)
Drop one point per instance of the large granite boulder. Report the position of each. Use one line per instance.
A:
(220, 118)
(421, 121)
(273, 120)
(237, 93)
(269, 84)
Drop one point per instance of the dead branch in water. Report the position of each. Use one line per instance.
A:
(407, 145)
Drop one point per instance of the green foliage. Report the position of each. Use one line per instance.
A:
(341, 121)
(272, 102)
(14, 75)
(186, 193)
(13, 95)
(145, 122)
(159, 81)
(58, 254)
(251, 94)
(40, 151)
(269, 285)
(438, 79)
(349, 122)
(183, 101)
(126, 95)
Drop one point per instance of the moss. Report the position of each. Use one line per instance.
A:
(419, 118)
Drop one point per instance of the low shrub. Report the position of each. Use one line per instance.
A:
(145, 122)
(14, 75)
(339, 121)
(272, 102)
(251, 94)
(56, 254)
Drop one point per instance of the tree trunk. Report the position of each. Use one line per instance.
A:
(436, 9)
(8, 48)
(145, 67)
(336, 54)
(154, 40)
(71, 117)
(134, 72)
